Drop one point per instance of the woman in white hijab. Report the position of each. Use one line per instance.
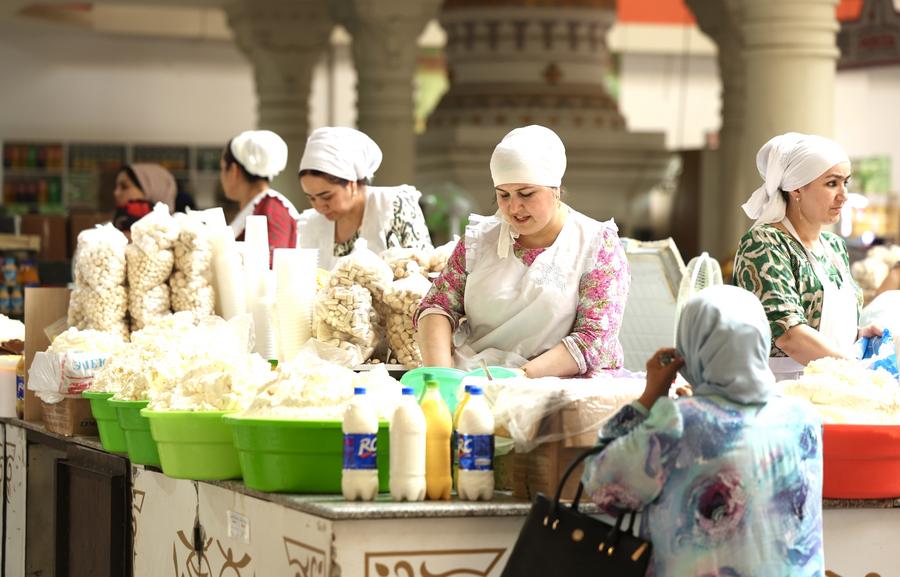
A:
(730, 479)
(541, 286)
(248, 164)
(798, 270)
(335, 174)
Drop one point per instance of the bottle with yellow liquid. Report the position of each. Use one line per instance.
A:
(438, 428)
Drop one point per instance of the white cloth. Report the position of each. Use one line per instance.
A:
(838, 323)
(239, 223)
(316, 231)
(261, 152)
(724, 338)
(529, 155)
(516, 312)
(342, 152)
(787, 162)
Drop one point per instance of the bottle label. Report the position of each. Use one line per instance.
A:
(360, 451)
(476, 452)
(20, 387)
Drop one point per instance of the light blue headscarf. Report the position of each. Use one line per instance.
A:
(723, 337)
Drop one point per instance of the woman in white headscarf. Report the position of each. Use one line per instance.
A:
(335, 174)
(541, 286)
(729, 479)
(798, 270)
(248, 164)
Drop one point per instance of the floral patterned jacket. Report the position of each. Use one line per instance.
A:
(728, 490)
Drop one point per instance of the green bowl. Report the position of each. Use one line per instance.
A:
(496, 373)
(112, 437)
(449, 380)
(195, 445)
(141, 446)
(292, 456)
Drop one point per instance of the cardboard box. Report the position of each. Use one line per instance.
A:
(71, 416)
(43, 307)
(52, 229)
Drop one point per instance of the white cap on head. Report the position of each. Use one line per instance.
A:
(342, 152)
(261, 152)
(787, 162)
(529, 155)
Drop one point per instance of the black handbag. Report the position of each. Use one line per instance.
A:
(560, 541)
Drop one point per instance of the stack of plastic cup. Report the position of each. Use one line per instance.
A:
(265, 319)
(256, 257)
(231, 297)
(295, 295)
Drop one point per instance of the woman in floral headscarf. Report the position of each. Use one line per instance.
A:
(730, 479)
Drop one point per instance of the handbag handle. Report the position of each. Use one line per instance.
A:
(571, 469)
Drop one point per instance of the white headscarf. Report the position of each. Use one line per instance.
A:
(261, 152)
(529, 155)
(787, 162)
(723, 337)
(342, 152)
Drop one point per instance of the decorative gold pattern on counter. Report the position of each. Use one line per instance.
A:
(439, 563)
(309, 560)
(833, 574)
(137, 505)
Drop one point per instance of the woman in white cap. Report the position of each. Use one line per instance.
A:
(335, 174)
(541, 286)
(250, 161)
(798, 270)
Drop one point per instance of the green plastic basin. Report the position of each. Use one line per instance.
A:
(291, 456)
(112, 437)
(141, 446)
(194, 445)
(496, 373)
(448, 379)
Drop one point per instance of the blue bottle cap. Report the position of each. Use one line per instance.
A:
(475, 390)
(468, 388)
(409, 391)
(359, 390)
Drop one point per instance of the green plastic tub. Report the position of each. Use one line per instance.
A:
(141, 446)
(449, 380)
(496, 373)
(196, 445)
(292, 456)
(112, 437)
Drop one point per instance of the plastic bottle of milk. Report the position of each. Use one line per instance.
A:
(475, 439)
(455, 444)
(408, 449)
(438, 429)
(359, 479)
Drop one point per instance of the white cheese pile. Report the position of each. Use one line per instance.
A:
(86, 341)
(843, 391)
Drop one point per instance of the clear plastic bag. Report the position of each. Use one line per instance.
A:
(400, 258)
(402, 300)
(147, 270)
(364, 268)
(155, 231)
(346, 312)
(441, 255)
(99, 259)
(147, 306)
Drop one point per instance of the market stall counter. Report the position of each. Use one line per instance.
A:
(186, 528)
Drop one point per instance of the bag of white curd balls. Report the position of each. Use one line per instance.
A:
(398, 258)
(191, 283)
(403, 299)
(100, 299)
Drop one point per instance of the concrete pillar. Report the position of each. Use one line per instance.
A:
(385, 46)
(283, 39)
(790, 54)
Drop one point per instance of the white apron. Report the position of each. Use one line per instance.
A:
(515, 312)
(838, 323)
(237, 225)
(316, 231)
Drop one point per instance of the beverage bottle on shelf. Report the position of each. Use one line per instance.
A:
(475, 441)
(454, 445)
(28, 274)
(438, 429)
(4, 301)
(408, 449)
(10, 271)
(20, 387)
(16, 302)
(359, 478)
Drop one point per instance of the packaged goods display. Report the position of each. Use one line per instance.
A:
(438, 430)
(100, 299)
(359, 476)
(475, 445)
(408, 450)
(402, 302)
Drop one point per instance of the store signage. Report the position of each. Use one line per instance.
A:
(873, 39)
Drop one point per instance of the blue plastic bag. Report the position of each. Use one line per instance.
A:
(880, 352)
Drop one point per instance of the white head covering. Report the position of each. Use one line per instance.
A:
(261, 152)
(529, 155)
(787, 162)
(723, 337)
(342, 152)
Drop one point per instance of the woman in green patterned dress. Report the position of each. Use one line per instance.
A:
(798, 270)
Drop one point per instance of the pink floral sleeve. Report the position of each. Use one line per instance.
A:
(447, 294)
(594, 340)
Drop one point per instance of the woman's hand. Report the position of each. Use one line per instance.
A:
(870, 331)
(661, 370)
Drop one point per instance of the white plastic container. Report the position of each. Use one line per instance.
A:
(475, 442)
(408, 449)
(8, 365)
(359, 479)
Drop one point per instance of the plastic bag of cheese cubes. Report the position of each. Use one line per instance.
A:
(402, 300)
(100, 299)
(398, 258)
(364, 268)
(191, 282)
(150, 262)
(345, 317)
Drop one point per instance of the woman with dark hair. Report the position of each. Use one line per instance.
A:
(335, 173)
(249, 162)
(138, 187)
